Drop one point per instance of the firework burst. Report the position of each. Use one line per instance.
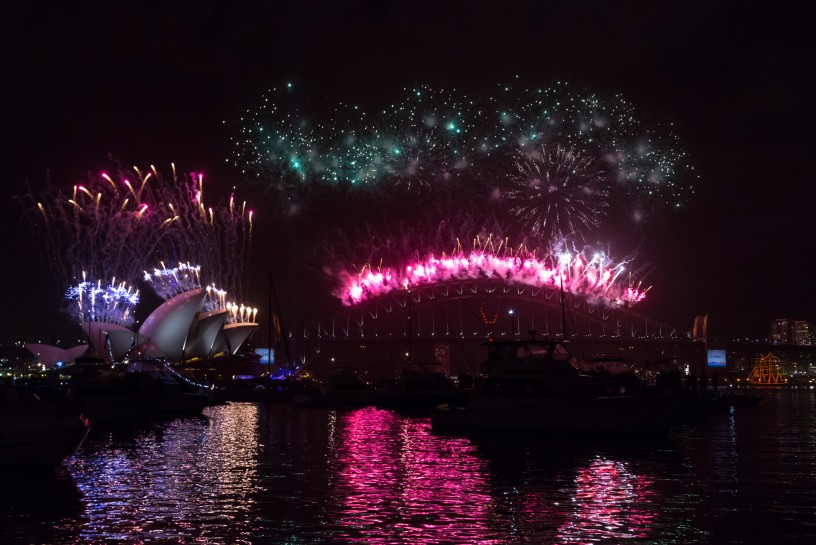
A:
(588, 273)
(169, 282)
(102, 302)
(550, 161)
(114, 224)
(556, 192)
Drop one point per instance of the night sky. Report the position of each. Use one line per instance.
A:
(153, 83)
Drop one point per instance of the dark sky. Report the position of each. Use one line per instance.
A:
(151, 82)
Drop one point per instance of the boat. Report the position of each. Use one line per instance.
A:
(177, 395)
(106, 393)
(533, 384)
(140, 390)
(35, 432)
(606, 362)
(343, 389)
(263, 389)
(421, 386)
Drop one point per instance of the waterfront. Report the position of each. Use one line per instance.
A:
(274, 473)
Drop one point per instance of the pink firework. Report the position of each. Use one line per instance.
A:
(596, 278)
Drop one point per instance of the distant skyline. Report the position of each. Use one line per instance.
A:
(155, 85)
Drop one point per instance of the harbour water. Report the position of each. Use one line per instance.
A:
(274, 473)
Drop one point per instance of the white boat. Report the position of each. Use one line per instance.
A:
(533, 385)
(34, 432)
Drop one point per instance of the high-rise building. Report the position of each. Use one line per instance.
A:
(803, 333)
(795, 332)
(781, 331)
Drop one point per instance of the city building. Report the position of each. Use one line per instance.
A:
(793, 332)
(781, 331)
(803, 333)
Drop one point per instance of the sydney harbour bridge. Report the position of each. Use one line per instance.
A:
(447, 322)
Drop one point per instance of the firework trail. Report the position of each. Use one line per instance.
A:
(217, 237)
(99, 229)
(536, 164)
(114, 224)
(596, 278)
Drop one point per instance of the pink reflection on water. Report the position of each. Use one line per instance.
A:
(397, 482)
(610, 503)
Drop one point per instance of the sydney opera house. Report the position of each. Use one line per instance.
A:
(183, 328)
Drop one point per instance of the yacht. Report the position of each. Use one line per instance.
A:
(137, 391)
(533, 384)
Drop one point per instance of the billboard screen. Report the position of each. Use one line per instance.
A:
(265, 354)
(716, 358)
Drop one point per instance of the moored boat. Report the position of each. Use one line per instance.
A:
(421, 386)
(532, 384)
(177, 395)
(344, 389)
(139, 391)
(107, 394)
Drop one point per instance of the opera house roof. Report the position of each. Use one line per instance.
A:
(179, 329)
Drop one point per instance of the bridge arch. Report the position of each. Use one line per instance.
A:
(487, 307)
(450, 321)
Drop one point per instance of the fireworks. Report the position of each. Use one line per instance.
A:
(431, 136)
(557, 192)
(596, 278)
(169, 282)
(215, 237)
(216, 299)
(102, 302)
(114, 224)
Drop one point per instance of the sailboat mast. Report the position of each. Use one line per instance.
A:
(410, 332)
(274, 294)
(563, 311)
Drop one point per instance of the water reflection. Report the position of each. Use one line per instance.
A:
(278, 474)
(609, 503)
(186, 478)
(399, 483)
